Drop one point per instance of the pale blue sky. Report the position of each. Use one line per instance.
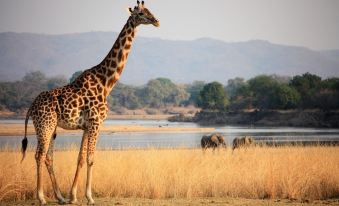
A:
(309, 23)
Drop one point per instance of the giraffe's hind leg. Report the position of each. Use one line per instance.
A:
(93, 132)
(40, 157)
(49, 165)
(44, 134)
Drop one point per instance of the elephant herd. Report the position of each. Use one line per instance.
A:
(217, 140)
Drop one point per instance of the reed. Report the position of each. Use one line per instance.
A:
(259, 172)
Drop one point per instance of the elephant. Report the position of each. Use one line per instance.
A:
(213, 141)
(242, 142)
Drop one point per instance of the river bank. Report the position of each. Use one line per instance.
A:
(123, 113)
(17, 129)
(294, 118)
(122, 134)
(22, 115)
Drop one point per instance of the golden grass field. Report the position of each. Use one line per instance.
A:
(287, 173)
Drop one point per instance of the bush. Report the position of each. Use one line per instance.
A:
(213, 96)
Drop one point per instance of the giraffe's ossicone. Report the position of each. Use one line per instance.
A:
(82, 104)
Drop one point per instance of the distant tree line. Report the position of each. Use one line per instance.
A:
(157, 93)
(267, 92)
(264, 92)
(19, 95)
(307, 91)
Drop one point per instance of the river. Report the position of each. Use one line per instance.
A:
(175, 140)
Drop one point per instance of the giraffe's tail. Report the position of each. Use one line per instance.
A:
(24, 142)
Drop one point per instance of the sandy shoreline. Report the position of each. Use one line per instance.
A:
(18, 129)
(12, 115)
(139, 116)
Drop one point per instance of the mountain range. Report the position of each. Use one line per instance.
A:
(182, 61)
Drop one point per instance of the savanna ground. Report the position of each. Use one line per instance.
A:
(253, 176)
(192, 201)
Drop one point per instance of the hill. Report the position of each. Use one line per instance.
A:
(182, 61)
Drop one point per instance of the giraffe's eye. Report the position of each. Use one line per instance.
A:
(141, 14)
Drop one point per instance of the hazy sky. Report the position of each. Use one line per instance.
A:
(310, 23)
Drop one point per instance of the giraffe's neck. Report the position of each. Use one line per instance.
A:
(115, 60)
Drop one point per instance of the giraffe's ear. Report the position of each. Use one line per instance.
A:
(130, 10)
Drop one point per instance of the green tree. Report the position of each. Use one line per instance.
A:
(194, 92)
(213, 96)
(307, 85)
(327, 97)
(285, 97)
(128, 98)
(233, 85)
(160, 92)
(263, 88)
(271, 92)
(35, 77)
(331, 84)
(281, 79)
(55, 82)
(19, 95)
(178, 96)
(242, 98)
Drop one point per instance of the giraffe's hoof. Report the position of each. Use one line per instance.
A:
(42, 202)
(62, 202)
(74, 201)
(91, 202)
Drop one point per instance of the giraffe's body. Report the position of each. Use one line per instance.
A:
(81, 104)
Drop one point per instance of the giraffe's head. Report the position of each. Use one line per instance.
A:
(141, 15)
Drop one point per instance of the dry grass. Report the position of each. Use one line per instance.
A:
(310, 173)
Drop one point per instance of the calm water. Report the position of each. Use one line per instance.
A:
(172, 140)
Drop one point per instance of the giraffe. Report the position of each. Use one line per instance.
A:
(82, 104)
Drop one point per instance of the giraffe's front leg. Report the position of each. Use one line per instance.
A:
(81, 161)
(93, 133)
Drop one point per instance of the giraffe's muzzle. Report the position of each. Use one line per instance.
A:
(156, 23)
